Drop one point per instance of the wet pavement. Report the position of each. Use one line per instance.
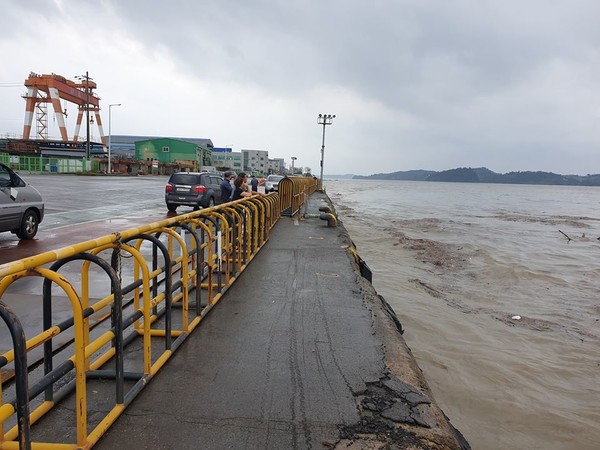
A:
(78, 208)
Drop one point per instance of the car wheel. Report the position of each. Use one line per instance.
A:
(171, 207)
(29, 225)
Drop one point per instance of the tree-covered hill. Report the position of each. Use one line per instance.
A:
(485, 175)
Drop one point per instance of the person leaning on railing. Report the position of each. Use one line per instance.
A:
(241, 189)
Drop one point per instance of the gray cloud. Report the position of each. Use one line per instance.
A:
(432, 84)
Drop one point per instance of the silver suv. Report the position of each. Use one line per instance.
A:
(21, 205)
(193, 189)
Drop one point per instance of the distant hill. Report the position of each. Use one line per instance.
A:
(412, 175)
(485, 175)
(347, 176)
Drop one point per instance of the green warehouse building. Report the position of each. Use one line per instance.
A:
(171, 151)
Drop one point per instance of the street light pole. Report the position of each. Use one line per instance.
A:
(109, 133)
(324, 119)
(293, 159)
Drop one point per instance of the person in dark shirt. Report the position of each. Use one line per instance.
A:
(240, 189)
(226, 187)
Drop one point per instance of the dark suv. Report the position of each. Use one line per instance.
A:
(193, 189)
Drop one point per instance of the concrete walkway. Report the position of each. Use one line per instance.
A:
(300, 353)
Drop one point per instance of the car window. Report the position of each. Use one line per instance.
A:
(17, 182)
(4, 177)
(216, 180)
(184, 178)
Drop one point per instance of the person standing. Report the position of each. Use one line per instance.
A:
(226, 187)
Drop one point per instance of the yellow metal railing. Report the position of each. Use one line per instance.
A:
(152, 284)
(294, 192)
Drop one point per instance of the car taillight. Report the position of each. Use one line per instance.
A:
(168, 188)
(200, 189)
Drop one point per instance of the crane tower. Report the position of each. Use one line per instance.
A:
(44, 89)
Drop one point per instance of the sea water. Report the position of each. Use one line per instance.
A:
(498, 289)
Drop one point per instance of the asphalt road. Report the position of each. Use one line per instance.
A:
(78, 208)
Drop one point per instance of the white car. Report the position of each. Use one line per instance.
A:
(273, 183)
(21, 205)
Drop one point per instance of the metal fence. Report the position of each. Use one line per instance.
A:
(113, 310)
(150, 285)
(294, 192)
(49, 165)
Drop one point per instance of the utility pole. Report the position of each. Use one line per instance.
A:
(87, 78)
(324, 119)
(87, 116)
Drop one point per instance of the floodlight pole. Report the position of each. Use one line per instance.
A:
(109, 134)
(324, 119)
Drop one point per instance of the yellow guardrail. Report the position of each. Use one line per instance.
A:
(294, 192)
(151, 285)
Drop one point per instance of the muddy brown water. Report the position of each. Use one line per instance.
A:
(500, 308)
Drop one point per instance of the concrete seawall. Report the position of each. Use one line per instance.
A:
(301, 352)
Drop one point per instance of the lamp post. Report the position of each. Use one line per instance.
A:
(293, 159)
(324, 119)
(109, 133)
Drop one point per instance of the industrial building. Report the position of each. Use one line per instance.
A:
(276, 165)
(174, 151)
(226, 158)
(124, 145)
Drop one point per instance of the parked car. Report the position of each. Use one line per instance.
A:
(273, 183)
(193, 189)
(21, 205)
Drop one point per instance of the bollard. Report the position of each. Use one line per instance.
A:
(330, 218)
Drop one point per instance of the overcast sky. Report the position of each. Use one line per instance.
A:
(415, 84)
